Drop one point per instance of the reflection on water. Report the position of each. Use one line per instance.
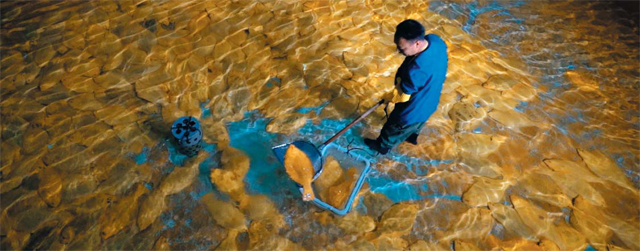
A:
(534, 145)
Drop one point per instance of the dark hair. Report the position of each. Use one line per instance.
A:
(410, 30)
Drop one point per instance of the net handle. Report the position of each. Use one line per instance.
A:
(352, 123)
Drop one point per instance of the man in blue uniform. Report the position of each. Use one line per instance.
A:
(418, 84)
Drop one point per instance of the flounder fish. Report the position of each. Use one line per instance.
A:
(300, 169)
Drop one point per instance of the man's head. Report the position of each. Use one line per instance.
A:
(409, 37)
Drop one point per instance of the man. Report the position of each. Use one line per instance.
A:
(418, 84)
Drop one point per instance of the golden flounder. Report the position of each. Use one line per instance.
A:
(300, 169)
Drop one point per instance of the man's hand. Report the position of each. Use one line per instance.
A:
(388, 97)
(396, 97)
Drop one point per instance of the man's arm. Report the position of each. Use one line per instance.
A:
(405, 88)
(397, 95)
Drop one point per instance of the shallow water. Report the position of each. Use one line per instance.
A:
(534, 144)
